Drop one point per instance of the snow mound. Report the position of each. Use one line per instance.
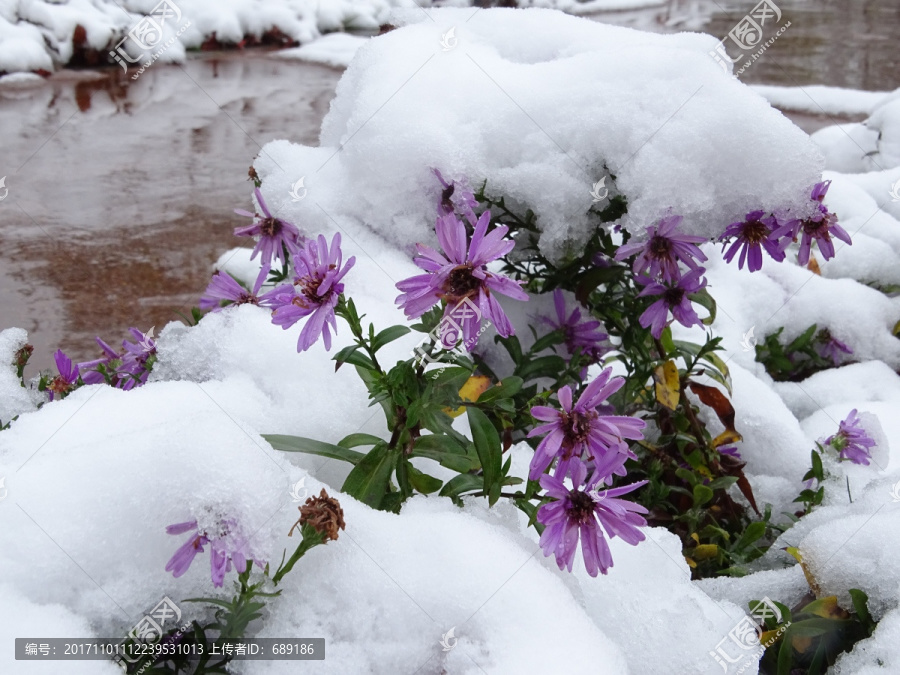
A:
(528, 100)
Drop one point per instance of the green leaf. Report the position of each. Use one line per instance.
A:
(444, 450)
(464, 482)
(387, 336)
(370, 479)
(702, 494)
(705, 300)
(354, 440)
(423, 482)
(550, 339)
(861, 605)
(506, 388)
(512, 346)
(313, 447)
(354, 357)
(544, 366)
(752, 534)
(723, 483)
(487, 445)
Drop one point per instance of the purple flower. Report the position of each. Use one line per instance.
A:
(137, 359)
(315, 292)
(275, 235)
(852, 441)
(585, 514)
(829, 347)
(225, 287)
(751, 236)
(89, 369)
(673, 298)
(579, 432)
(227, 546)
(729, 451)
(819, 227)
(579, 335)
(456, 198)
(662, 251)
(462, 278)
(67, 379)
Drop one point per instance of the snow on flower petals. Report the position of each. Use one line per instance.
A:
(227, 545)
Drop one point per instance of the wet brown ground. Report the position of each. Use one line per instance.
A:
(121, 193)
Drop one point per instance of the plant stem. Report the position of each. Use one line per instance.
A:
(309, 541)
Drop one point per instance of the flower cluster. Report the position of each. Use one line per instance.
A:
(657, 267)
(125, 369)
(774, 233)
(579, 438)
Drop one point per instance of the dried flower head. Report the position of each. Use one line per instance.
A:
(324, 514)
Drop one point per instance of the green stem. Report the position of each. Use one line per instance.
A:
(311, 539)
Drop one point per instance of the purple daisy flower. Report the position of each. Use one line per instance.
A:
(663, 250)
(226, 287)
(456, 198)
(67, 379)
(585, 514)
(829, 347)
(729, 451)
(579, 335)
(852, 441)
(462, 278)
(137, 359)
(89, 372)
(673, 298)
(275, 235)
(819, 227)
(315, 293)
(751, 236)
(227, 547)
(580, 432)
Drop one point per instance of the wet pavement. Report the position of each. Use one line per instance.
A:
(121, 193)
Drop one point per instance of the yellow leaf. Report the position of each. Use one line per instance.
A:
(896, 330)
(726, 437)
(705, 552)
(695, 537)
(474, 387)
(810, 579)
(813, 265)
(690, 562)
(827, 608)
(770, 637)
(668, 386)
(801, 644)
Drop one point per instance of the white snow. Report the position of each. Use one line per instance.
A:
(335, 49)
(526, 100)
(819, 99)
